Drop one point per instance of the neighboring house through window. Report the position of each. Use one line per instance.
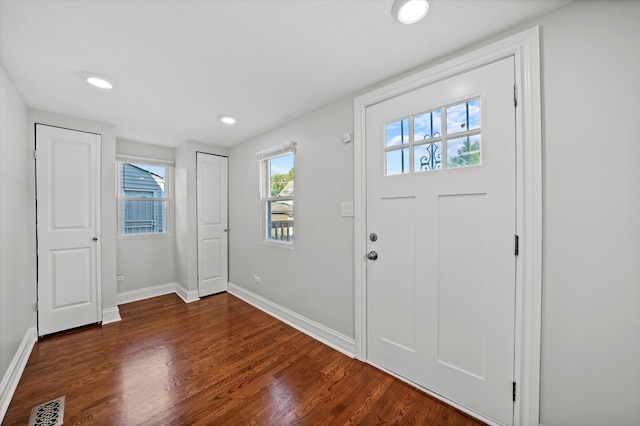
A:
(277, 193)
(143, 196)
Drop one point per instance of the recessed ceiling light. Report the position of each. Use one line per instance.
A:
(227, 119)
(409, 11)
(99, 82)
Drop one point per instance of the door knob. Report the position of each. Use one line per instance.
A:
(372, 255)
(95, 238)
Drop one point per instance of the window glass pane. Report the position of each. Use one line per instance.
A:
(143, 217)
(280, 220)
(281, 176)
(397, 133)
(279, 184)
(142, 179)
(397, 161)
(463, 117)
(464, 151)
(427, 126)
(427, 157)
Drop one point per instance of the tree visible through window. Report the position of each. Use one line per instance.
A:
(277, 168)
(143, 198)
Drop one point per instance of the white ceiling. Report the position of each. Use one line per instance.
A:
(177, 65)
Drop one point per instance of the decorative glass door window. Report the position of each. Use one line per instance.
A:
(446, 137)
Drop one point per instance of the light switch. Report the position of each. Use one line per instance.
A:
(347, 209)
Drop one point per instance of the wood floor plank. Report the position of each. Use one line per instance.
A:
(218, 361)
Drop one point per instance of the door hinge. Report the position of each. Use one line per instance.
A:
(515, 95)
(35, 154)
(516, 250)
(514, 391)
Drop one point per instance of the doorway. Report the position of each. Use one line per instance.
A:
(441, 223)
(212, 195)
(68, 228)
(524, 48)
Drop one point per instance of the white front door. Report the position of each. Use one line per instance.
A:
(68, 196)
(213, 275)
(441, 200)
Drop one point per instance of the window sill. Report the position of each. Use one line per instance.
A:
(276, 243)
(137, 236)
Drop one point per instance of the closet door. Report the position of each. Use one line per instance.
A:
(212, 178)
(68, 197)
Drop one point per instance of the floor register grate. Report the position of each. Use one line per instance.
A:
(48, 414)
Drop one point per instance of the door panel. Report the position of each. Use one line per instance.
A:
(440, 296)
(71, 198)
(70, 271)
(212, 249)
(461, 319)
(67, 172)
(398, 310)
(212, 224)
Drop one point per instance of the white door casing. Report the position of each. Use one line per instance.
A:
(441, 293)
(212, 188)
(524, 47)
(68, 228)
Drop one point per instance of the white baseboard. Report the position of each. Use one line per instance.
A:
(12, 376)
(157, 290)
(323, 334)
(110, 315)
(187, 295)
(146, 293)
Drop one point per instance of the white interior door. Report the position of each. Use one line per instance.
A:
(68, 196)
(441, 200)
(213, 274)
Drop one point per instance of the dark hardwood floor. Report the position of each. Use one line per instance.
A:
(218, 361)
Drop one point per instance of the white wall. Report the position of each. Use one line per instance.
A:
(185, 212)
(146, 261)
(17, 223)
(591, 252)
(591, 271)
(107, 197)
(315, 279)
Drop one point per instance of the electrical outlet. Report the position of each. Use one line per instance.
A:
(347, 209)
(120, 277)
(256, 279)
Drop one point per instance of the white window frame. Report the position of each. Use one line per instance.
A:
(168, 183)
(264, 158)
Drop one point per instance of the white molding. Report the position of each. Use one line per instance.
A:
(187, 295)
(529, 227)
(146, 293)
(158, 290)
(525, 48)
(329, 337)
(111, 315)
(13, 374)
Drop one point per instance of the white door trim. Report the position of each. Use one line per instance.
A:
(525, 48)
